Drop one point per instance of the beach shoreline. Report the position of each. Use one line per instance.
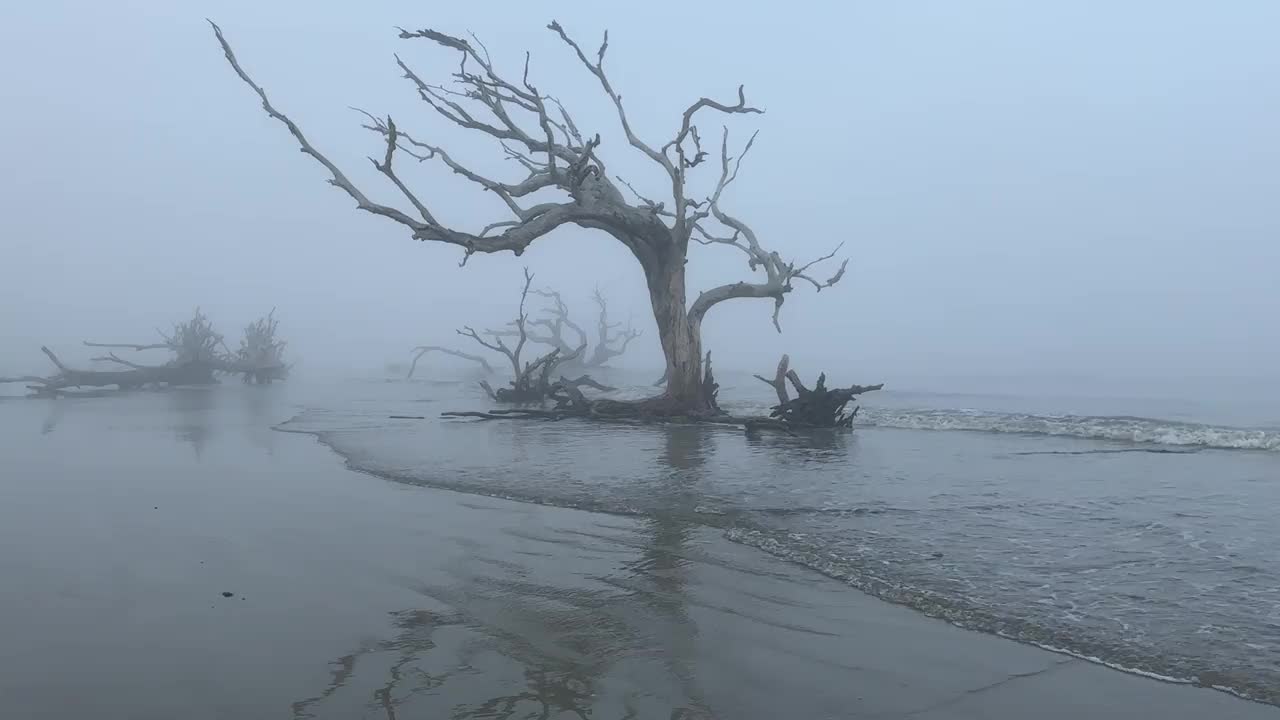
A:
(353, 596)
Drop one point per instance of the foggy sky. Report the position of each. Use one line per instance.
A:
(1089, 188)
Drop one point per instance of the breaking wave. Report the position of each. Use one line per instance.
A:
(1113, 428)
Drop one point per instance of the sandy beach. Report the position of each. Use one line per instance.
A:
(126, 521)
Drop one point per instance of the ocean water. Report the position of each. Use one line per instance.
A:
(1138, 532)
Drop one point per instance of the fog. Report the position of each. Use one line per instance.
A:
(1024, 189)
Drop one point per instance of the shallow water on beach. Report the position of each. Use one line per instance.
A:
(1147, 543)
(1143, 542)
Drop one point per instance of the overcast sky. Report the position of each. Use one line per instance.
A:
(1089, 188)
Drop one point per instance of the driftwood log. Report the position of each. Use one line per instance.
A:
(133, 377)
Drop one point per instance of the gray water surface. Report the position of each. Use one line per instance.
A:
(1144, 543)
(1161, 557)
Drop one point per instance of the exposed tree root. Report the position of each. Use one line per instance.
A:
(820, 407)
(817, 408)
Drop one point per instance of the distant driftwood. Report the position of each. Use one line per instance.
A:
(198, 353)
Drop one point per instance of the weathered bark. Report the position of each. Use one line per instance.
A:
(686, 386)
(558, 156)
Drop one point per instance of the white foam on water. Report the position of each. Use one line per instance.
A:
(1113, 428)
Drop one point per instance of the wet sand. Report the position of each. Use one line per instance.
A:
(123, 522)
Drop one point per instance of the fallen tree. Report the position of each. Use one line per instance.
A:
(538, 132)
(135, 376)
(195, 345)
(198, 352)
(260, 359)
(820, 407)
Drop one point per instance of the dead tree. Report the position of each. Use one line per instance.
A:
(195, 345)
(531, 381)
(260, 359)
(555, 324)
(612, 339)
(198, 352)
(537, 131)
(821, 407)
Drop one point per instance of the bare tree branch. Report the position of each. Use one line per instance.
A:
(112, 357)
(556, 324)
(139, 348)
(597, 68)
(611, 338)
(339, 179)
(521, 331)
(424, 349)
(779, 274)
(779, 380)
(515, 238)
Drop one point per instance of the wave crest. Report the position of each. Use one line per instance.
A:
(1120, 429)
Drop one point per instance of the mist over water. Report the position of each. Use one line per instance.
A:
(1061, 228)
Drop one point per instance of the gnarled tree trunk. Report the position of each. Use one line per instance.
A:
(681, 340)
